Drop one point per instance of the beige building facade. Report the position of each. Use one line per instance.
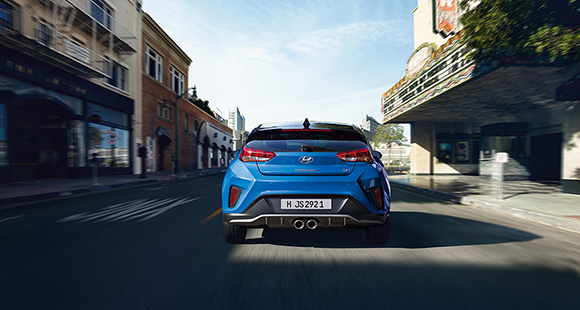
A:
(463, 113)
(69, 83)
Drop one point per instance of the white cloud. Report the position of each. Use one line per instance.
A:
(286, 60)
(344, 35)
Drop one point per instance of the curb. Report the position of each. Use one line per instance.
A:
(562, 223)
(12, 202)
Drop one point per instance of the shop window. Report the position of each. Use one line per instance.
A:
(506, 137)
(3, 136)
(177, 81)
(154, 64)
(110, 144)
(76, 145)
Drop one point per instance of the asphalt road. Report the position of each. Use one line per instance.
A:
(160, 247)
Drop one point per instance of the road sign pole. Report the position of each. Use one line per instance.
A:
(500, 181)
(500, 158)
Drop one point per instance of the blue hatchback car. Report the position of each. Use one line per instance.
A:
(306, 176)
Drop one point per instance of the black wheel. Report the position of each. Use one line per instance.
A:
(234, 234)
(378, 234)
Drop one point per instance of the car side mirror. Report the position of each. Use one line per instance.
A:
(377, 154)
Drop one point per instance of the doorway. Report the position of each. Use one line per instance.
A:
(38, 141)
(547, 157)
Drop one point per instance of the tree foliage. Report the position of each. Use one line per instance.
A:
(390, 134)
(202, 104)
(497, 29)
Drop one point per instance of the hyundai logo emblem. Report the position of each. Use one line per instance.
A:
(305, 159)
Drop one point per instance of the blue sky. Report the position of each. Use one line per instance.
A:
(287, 60)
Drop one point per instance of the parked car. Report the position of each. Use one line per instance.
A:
(306, 176)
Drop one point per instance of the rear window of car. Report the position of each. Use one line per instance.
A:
(281, 140)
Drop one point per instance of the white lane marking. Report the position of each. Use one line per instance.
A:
(107, 210)
(11, 218)
(150, 205)
(141, 209)
(136, 209)
(171, 206)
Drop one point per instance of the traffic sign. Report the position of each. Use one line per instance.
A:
(501, 157)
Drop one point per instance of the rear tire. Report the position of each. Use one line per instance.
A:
(234, 234)
(378, 234)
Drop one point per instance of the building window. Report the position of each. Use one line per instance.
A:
(164, 111)
(177, 81)
(44, 33)
(154, 65)
(186, 124)
(117, 75)
(6, 15)
(102, 13)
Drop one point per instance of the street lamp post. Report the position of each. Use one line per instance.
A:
(176, 104)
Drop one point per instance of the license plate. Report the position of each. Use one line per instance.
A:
(306, 204)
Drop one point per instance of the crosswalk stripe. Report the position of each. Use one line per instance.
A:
(141, 209)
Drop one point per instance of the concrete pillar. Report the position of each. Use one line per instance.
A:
(571, 150)
(209, 150)
(199, 153)
(421, 148)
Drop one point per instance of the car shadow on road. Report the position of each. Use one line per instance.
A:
(412, 230)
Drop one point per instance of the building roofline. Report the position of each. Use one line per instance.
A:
(147, 19)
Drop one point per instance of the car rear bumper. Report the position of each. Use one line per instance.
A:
(266, 212)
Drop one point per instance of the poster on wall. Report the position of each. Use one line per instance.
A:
(445, 151)
(445, 19)
(462, 152)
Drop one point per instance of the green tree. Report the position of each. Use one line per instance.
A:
(496, 29)
(389, 134)
(202, 104)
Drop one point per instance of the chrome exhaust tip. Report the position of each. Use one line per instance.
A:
(298, 224)
(311, 224)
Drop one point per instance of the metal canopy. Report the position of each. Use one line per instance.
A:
(503, 92)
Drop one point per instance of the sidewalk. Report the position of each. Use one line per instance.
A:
(539, 202)
(14, 194)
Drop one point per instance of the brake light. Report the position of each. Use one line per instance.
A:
(303, 130)
(378, 196)
(356, 155)
(235, 193)
(253, 155)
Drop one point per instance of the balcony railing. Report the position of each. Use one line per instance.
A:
(89, 12)
(57, 48)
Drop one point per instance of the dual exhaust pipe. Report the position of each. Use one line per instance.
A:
(310, 224)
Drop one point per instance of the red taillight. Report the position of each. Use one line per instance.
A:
(356, 155)
(306, 130)
(378, 196)
(249, 155)
(235, 193)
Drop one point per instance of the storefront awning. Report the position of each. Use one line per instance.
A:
(213, 135)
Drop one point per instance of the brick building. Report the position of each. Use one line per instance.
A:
(165, 92)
